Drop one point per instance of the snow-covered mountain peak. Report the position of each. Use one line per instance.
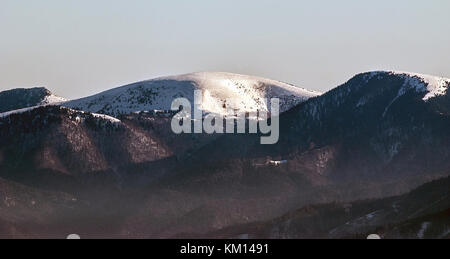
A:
(432, 86)
(220, 91)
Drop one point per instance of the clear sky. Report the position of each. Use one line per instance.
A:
(78, 47)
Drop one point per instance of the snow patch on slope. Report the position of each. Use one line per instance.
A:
(95, 115)
(423, 229)
(18, 111)
(53, 99)
(106, 117)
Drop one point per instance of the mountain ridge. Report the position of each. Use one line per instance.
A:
(361, 140)
(245, 93)
(20, 98)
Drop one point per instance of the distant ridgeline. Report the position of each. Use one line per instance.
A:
(23, 98)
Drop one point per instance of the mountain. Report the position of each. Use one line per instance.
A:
(377, 126)
(379, 135)
(246, 93)
(22, 98)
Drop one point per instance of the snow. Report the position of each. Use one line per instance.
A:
(48, 99)
(220, 92)
(400, 93)
(106, 117)
(432, 86)
(53, 99)
(19, 111)
(278, 163)
(423, 228)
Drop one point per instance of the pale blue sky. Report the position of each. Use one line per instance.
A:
(77, 48)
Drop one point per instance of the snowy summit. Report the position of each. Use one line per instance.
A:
(247, 93)
(432, 86)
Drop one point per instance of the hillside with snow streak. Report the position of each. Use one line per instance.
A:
(432, 86)
(21, 98)
(244, 93)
